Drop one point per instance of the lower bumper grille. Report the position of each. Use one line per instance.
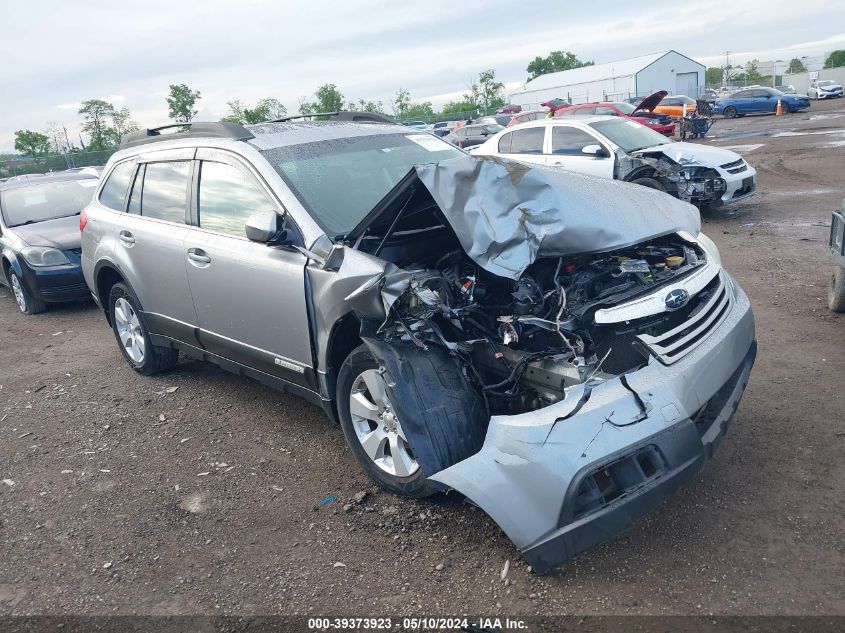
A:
(676, 343)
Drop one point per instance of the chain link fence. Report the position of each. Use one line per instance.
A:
(53, 163)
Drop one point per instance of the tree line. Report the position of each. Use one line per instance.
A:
(750, 72)
(103, 124)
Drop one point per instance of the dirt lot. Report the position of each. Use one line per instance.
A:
(130, 497)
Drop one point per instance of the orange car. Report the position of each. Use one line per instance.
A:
(674, 106)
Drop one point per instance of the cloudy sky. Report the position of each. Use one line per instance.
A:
(57, 53)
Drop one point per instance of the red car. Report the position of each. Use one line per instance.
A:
(641, 114)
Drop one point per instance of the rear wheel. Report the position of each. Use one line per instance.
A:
(373, 431)
(836, 290)
(651, 183)
(133, 336)
(26, 302)
(730, 112)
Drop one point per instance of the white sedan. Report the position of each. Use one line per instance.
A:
(824, 89)
(611, 147)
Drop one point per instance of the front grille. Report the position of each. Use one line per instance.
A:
(736, 167)
(676, 343)
(60, 292)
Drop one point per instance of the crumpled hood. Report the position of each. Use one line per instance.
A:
(694, 153)
(507, 214)
(59, 233)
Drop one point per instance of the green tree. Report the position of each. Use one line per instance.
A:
(121, 123)
(713, 76)
(32, 143)
(796, 66)
(490, 91)
(181, 102)
(96, 114)
(835, 59)
(267, 109)
(420, 111)
(366, 106)
(554, 62)
(401, 103)
(329, 99)
(455, 110)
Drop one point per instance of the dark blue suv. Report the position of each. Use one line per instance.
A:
(759, 101)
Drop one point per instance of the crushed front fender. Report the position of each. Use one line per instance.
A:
(570, 476)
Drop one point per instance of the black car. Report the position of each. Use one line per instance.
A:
(471, 135)
(40, 240)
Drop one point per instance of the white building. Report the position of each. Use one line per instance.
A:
(615, 81)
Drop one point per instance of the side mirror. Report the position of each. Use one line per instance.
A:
(262, 227)
(595, 150)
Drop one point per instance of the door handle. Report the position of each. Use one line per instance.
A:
(198, 255)
(127, 238)
(557, 162)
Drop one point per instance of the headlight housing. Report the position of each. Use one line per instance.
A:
(44, 256)
(653, 121)
(710, 248)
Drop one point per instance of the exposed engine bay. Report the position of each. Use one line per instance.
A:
(523, 342)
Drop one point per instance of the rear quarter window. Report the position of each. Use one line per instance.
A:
(113, 194)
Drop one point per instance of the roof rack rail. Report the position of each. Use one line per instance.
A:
(234, 131)
(343, 115)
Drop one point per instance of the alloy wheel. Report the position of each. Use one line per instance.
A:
(17, 289)
(129, 330)
(377, 427)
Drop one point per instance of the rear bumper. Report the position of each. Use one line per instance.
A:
(565, 478)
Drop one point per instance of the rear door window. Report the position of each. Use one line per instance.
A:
(528, 141)
(227, 197)
(113, 194)
(165, 190)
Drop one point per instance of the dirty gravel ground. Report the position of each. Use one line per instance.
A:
(132, 497)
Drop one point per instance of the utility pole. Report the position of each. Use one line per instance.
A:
(726, 72)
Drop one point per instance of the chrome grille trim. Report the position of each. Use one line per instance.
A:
(673, 345)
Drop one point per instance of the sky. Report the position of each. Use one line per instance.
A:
(56, 54)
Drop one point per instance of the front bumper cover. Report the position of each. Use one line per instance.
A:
(529, 475)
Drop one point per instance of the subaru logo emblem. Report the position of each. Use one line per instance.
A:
(676, 299)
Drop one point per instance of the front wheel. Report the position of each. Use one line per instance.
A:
(26, 302)
(373, 431)
(730, 112)
(133, 336)
(651, 183)
(836, 290)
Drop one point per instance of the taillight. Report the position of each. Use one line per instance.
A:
(83, 220)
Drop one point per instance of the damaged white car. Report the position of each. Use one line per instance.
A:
(565, 351)
(610, 147)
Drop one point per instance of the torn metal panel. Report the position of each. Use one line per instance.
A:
(507, 214)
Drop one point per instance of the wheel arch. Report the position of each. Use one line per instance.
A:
(345, 336)
(106, 275)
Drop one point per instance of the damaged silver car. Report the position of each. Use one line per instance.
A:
(565, 351)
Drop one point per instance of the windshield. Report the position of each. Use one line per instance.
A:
(341, 180)
(46, 201)
(825, 83)
(625, 108)
(494, 128)
(629, 135)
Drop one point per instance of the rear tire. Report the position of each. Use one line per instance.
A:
(651, 183)
(730, 112)
(836, 290)
(357, 373)
(26, 302)
(132, 334)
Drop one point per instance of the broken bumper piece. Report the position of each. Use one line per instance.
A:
(568, 477)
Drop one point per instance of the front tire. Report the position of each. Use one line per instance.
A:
(132, 334)
(730, 112)
(836, 290)
(26, 302)
(372, 430)
(650, 183)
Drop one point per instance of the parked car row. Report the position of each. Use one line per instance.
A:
(472, 322)
(759, 100)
